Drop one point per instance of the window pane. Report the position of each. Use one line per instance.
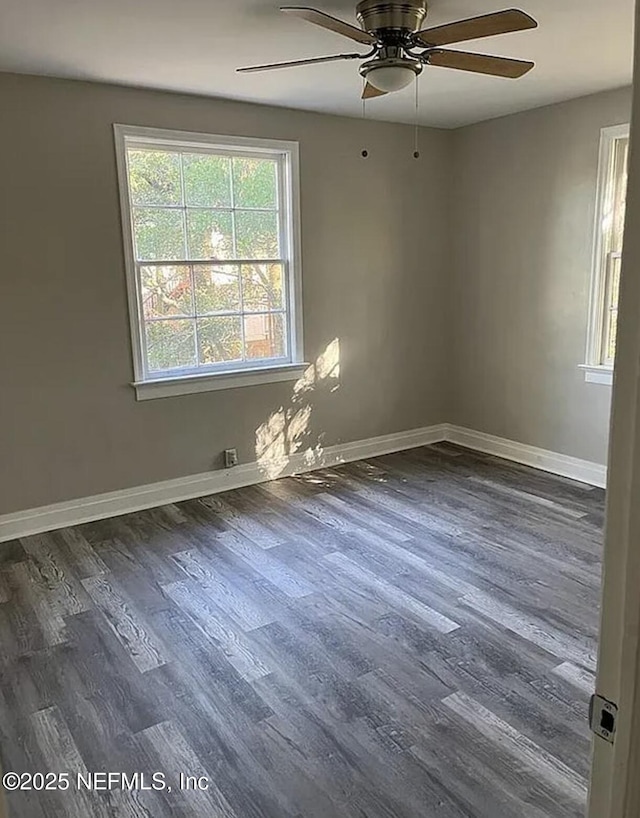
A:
(154, 178)
(170, 344)
(612, 333)
(264, 336)
(620, 193)
(220, 339)
(616, 265)
(217, 289)
(262, 287)
(611, 316)
(207, 180)
(166, 291)
(209, 234)
(158, 234)
(257, 234)
(254, 182)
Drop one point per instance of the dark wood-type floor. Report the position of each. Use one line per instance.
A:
(407, 637)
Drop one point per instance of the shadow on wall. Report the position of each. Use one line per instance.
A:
(286, 431)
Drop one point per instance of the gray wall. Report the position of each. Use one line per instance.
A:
(524, 202)
(456, 285)
(373, 243)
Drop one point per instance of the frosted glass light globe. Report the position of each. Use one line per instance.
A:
(390, 77)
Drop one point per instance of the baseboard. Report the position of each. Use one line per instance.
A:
(114, 503)
(584, 471)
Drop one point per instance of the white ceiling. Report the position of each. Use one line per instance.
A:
(581, 46)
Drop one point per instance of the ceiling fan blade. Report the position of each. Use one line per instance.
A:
(369, 92)
(319, 18)
(480, 63)
(294, 63)
(501, 22)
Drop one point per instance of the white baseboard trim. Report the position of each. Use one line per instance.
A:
(125, 501)
(584, 471)
(114, 503)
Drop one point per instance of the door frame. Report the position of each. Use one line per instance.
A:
(615, 772)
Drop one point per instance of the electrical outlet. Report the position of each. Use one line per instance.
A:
(230, 458)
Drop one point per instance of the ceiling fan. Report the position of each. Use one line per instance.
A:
(400, 48)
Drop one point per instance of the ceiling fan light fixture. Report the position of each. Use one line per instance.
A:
(391, 78)
(392, 72)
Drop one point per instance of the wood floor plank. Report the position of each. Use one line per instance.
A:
(563, 645)
(80, 552)
(524, 751)
(583, 679)
(195, 602)
(62, 756)
(247, 612)
(5, 593)
(127, 626)
(394, 596)
(312, 787)
(52, 577)
(239, 516)
(266, 564)
(489, 788)
(34, 594)
(528, 497)
(125, 700)
(477, 665)
(368, 519)
(178, 759)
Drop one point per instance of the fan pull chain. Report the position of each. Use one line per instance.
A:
(416, 145)
(365, 152)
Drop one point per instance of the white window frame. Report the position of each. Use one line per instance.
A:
(596, 368)
(181, 382)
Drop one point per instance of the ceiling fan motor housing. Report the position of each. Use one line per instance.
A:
(403, 17)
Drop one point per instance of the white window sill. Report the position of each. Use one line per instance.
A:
(190, 384)
(597, 374)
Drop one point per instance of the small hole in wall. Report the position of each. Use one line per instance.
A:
(365, 154)
(416, 154)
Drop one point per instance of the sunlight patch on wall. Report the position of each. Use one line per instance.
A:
(328, 364)
(283, 433)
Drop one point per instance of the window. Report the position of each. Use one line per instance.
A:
(211, 245)
(609, 232)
